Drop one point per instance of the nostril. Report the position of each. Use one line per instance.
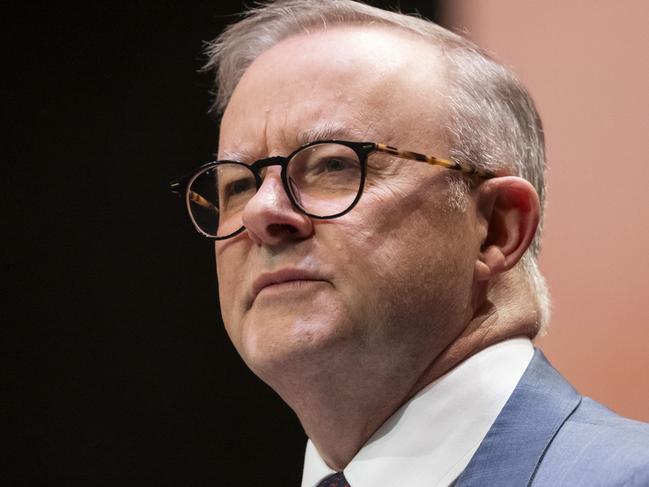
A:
(279, 229)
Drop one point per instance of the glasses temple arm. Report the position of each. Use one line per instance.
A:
(434, 161)
(198, 199)
(195, 197)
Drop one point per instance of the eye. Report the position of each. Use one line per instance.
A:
(324, 165)
(335, 164)
(239, 186)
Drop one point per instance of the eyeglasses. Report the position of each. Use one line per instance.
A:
(322, 179)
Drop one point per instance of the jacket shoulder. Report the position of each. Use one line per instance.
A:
(595, 446)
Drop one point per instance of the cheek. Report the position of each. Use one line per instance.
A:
(369, 252)
(229, 272)
(407, 251)
(225, 296)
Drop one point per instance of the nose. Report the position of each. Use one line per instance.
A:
(269, 216)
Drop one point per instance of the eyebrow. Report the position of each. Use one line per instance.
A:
(326, 131)
(329, 131)
(241, 155)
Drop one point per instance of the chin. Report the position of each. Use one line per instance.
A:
(299, 346)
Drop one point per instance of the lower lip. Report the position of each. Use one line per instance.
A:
(290, 287)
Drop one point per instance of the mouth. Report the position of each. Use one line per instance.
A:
(283, 280)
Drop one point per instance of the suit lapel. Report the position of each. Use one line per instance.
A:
(515, 444)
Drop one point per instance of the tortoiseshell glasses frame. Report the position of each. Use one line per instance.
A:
(209, 227)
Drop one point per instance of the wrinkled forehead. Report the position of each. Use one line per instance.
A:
(345, 82)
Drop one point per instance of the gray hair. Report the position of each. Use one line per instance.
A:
(492, 121)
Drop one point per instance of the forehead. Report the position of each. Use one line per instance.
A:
(348, 81)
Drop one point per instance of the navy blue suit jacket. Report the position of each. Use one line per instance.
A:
(549, 435)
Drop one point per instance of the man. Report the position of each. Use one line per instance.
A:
(376, 214)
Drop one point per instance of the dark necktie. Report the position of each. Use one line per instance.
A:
(335, 480)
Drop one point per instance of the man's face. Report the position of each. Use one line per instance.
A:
(386, 286)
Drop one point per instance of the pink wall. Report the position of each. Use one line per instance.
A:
(586, 64)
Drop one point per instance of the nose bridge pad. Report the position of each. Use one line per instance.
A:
(274, 194)
(270, 216)
(294, 193)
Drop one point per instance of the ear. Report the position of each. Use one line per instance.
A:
(510, 211)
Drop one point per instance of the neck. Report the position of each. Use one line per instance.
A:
(340, 410)
(506, 309)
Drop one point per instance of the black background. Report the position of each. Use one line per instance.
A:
(116, 369)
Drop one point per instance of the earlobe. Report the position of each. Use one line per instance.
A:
(511, 210)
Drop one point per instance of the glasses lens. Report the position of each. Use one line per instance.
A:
(216, 198)
(325, 179)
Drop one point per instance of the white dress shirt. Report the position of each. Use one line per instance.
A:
(430, 440)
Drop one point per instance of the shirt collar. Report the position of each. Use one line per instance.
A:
(431, 439)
